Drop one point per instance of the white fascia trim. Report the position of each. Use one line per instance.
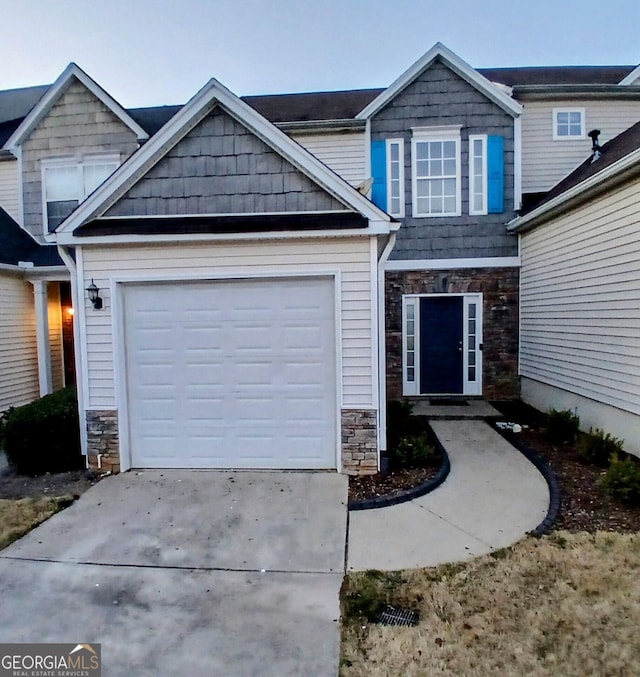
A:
(631, 78)
(375, 228)
(225, 214)
(12, 270)
(56, 90)
(48, 273)
(462, 68)
(558, 203)
(450, 264)
(212, 94)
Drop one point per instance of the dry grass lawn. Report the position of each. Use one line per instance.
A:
(17, 517)
(564, 604)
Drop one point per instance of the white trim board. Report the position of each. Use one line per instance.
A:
(449, 264)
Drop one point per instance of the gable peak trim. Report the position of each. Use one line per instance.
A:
(631, 78)
(458, 66)
(56, 90)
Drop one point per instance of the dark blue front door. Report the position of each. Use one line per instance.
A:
(441, 345)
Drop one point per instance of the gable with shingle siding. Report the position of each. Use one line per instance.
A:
(220, 167)
(78, 124)
(440, 97)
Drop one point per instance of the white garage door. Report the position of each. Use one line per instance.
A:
(233, 374)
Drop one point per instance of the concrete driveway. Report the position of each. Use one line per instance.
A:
(188, 572)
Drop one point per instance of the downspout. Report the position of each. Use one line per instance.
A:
(382, 352)
(76, 299)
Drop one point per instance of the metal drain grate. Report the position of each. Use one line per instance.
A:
(390, 615)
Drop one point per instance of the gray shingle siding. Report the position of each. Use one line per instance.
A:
(78, 124)
(440, 97)
(220, 167)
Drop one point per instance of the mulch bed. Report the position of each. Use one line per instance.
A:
(71, 483)
(583, 506)
(363, 487)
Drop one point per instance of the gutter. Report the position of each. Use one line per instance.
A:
(344, 125)
(621, 169)
(382, 353)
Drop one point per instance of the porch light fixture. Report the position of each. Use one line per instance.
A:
(94, 295)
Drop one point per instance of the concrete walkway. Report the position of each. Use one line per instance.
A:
(492, 498)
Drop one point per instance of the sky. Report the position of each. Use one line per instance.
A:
(154, 52)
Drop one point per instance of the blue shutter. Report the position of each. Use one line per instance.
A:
(379, 174)
(495, 178)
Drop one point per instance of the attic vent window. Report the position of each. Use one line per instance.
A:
(68, 181)
(568, 124)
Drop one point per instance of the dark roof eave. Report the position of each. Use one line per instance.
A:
(218, 225)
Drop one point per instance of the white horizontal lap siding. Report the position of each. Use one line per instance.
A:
(18, 349)
(351, 257)
(344, 153)
(580, 301)
(545, 161)
(9, 189)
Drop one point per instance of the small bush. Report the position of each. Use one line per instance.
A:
(562, 426)
(597, 448)
(400, 422)
(44, 436)
(414, 451)
(622, 480)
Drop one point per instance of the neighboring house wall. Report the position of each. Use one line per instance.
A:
(344, 152)
(580, 344)
(439, 97)
(546, 161)
(10, 189)
(77, 125)
(18, 351)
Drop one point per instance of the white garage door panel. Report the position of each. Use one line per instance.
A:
(237, 374)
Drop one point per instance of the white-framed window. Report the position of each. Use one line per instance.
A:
(395, 177)
(568, 124)
(68, 181)
(477, 174)
(435, 166)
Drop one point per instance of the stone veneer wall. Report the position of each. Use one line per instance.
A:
(500, 312)
(359, 441)
(102, 433)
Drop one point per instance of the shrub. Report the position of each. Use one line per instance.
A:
(598, 448)
(400, 422)
(562, 426)
(622, 480)
(414, 451)
(44, 436)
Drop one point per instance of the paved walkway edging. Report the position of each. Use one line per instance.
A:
(555, 492)
(408, 494)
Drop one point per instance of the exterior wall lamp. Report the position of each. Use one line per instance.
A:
(94, 295)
